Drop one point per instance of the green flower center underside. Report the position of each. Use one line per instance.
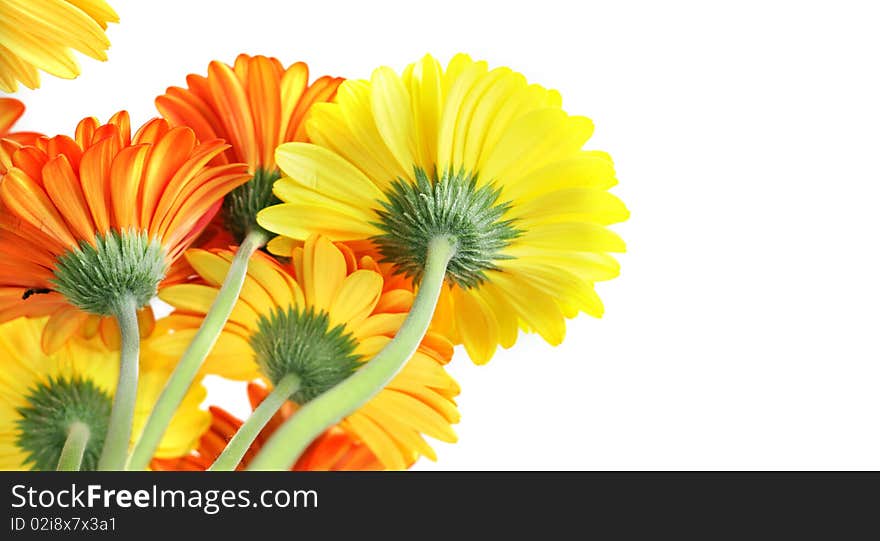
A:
(120, 265)
(452, 206)
(51, 409)
(290, 341)
(241, 205)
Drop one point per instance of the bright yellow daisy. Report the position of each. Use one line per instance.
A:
(43, 396)
(40, 35)
(319, 318)
(477, 158)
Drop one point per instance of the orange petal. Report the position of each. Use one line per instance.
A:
(293, 84)
(126, 173)
(321, 90)
(151, 131)
(10, 111)
(65, 191)
(109, 330)
(264, 95)
(232, 104)
(62, 325)
(85, 129)
(29, 201)
(166, 157)
(94, 175)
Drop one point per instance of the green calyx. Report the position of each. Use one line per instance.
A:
(452, 206)
(241, 205)
(120, 265)
(52, 407)
(290, 341)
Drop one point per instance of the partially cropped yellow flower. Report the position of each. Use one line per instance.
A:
(475, 156)
(319, 318)
(40, 35)
(41, 395)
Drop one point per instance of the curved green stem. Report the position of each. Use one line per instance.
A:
(119, 428)
(292, 438)
(74, 447)
(188, 366)
(241, 442)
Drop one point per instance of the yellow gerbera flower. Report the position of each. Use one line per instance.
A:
(474, 156)
(43, 395)
(319, 318)
(39, 35)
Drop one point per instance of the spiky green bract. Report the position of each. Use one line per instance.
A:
(241, 205)
(51, 408)
(450, 206)
(291, 341)
(100, 278)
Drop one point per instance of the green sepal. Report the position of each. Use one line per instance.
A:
(451, 205)
(99, 278)
(51, 408)
(241, 205)
(290, 341)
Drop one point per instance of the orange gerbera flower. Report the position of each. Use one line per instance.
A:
(88, 219)
(336, 449)
(255, 105)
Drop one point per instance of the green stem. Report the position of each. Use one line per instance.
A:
(74, 447)
(119, 428)
(291, 439)
(241, 442)
(191, 362)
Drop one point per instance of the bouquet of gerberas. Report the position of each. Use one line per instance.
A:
(328, 242)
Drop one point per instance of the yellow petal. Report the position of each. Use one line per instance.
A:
(425, 83)
(323, 272)
(377, 440)
(282, 246)
(503, 312)
(476, 325)
(460, 77)
(327, 173)
(534, 140)
(356, 298)
(587, 204)
(199, 298)
(348, 128)
(416, 414)
(392, 110)
(407, 439)
(536, 309)
(379, 324)
(586, 170)
(590, 266)
(47, 55)
(571, 236)
(298, 221)
(211, 267)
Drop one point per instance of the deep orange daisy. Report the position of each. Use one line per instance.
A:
(82, 218)
(335, 450)
(255, 105)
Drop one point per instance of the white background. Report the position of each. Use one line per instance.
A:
(742, 333)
